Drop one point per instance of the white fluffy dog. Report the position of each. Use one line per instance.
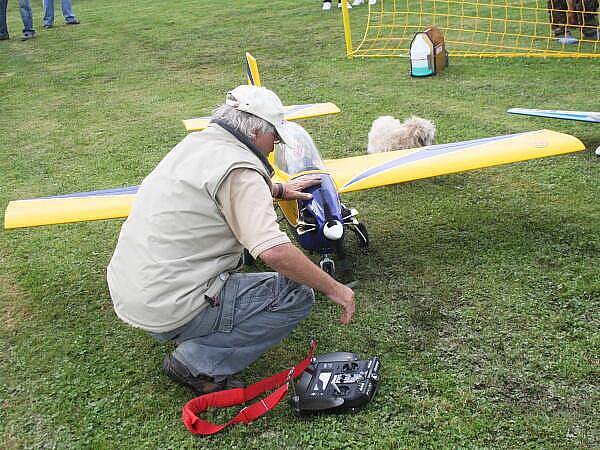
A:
(388, 134)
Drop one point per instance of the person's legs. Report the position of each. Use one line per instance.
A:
(67, 10)
(3, 26)
(590, 19)
(558, 16)
(560, 20)
(255, 312)
(48, 19)
(27, 17)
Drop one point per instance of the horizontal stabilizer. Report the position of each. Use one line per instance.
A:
(380, 169)
(83, 206)
(583, 116)
(292, 112)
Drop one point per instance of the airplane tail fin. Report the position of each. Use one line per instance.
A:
(252, 74)
(292, 112)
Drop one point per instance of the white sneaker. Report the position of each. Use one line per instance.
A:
(372, 2)
(357, 2)
(347, 4)
(567, 39)
(326, 6)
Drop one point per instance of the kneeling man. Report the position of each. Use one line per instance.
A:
(173, 272)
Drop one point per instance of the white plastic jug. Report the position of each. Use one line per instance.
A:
(421, 56)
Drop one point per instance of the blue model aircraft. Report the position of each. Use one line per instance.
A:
(583, 116)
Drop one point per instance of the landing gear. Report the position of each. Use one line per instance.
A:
(349, 219)
(361, 234)
(343, 269)
(327, 265)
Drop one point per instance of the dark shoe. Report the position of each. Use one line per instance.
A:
(72, 22)
(28, 35)
(4, 37)
(594, 36)
(202, 384)
(49, 25)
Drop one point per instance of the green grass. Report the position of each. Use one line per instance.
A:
(480, 291)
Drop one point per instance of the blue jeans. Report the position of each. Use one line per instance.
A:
(67, 10)
(3, 27)
(26, 16)
(255, 312)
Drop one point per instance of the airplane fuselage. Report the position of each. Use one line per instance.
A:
(320, 224)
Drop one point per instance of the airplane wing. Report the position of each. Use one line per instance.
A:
(350, 174)
(584, 116)
(292, 112)
(380, 169)
(79, 207)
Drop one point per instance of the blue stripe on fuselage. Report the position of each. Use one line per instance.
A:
(116, 191)
(295, 108)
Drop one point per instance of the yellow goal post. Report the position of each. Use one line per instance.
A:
(477, 28)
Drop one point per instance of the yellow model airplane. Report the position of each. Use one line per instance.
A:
(292, 112)
(320, 223)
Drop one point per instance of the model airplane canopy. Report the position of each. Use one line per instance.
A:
(349, 174)
(583, 116)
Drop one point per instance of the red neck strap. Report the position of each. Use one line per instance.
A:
(224, 399)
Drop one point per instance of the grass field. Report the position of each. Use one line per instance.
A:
(480, 292)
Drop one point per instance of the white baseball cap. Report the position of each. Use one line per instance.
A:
(260, 102)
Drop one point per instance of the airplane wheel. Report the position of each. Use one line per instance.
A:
(328, 266)
(362, 234)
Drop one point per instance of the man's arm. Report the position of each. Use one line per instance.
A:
(247, 205)
(293, 264)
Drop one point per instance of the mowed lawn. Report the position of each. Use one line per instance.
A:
(479, 293)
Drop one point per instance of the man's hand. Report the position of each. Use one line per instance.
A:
(344, 296)
(293, 189)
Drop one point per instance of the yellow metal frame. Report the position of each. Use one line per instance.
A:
(472, 28)
(347, 29)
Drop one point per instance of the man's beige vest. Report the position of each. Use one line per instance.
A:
(175, 248)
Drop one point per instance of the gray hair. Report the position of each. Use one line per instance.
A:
(247, 124)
